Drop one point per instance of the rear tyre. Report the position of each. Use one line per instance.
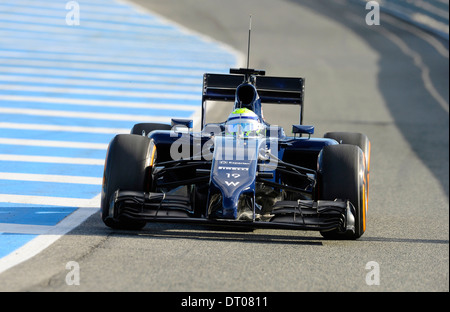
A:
(124, 169)
(341, 176)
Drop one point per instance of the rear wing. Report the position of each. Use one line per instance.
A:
(272, 90)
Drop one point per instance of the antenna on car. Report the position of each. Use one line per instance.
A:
(248, 45)
(247, 72)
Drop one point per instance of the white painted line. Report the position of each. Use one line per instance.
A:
(139, 61)
(101, 83)
(52, 159)
(155, 39)
(34, 47)
(148, 70)
(102, 103)
(47, 143)
(47, 200)
(100, 75)
(44, 127)
(107, 92)
(91, 14)
(49, 178)
(57, 25)
(92, 6)
(84, 115)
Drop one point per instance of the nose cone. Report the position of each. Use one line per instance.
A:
(233, 172)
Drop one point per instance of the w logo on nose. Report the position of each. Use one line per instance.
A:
(228, 183)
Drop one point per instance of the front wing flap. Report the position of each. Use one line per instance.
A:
(306, 215)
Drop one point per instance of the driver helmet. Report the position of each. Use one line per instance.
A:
(243, 121)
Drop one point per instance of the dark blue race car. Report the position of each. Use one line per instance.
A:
(243, 172)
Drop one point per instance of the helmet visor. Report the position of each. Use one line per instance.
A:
(244, 128)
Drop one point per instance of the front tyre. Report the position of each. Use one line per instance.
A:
(341, 176)
(357, 139)
(125, 166)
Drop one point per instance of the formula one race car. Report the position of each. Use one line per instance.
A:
(243, 172)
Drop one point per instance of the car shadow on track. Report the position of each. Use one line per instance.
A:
(215, 233)
(404, 240)
(160, 230)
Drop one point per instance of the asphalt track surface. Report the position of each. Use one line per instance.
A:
(389, 82)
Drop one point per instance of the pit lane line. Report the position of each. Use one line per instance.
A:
(39, 83)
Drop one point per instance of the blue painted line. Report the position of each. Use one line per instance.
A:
(72, 60)
(128, 88)
(46, 120)
(146, 56)
(57, 19)
(130, 14)
(89, 79)
(152, 97)
(183, 46)
(52, 151)
(146, 48)
(58, 25)
(56, 135)
(182, 74)
(27, 10)
(17, 38)
(106, 27)
(10, 242)
(73, 63)
(32, 188)
(99, 109)
(117, 98)
(216, 58)
(33, 214)
(51, 168)
(88, 122)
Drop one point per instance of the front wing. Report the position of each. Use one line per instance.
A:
(305, 215)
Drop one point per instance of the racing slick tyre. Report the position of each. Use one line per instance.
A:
(341, 170)
(124, 169)
(363, 142)
(145, 128)
(357, 139)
